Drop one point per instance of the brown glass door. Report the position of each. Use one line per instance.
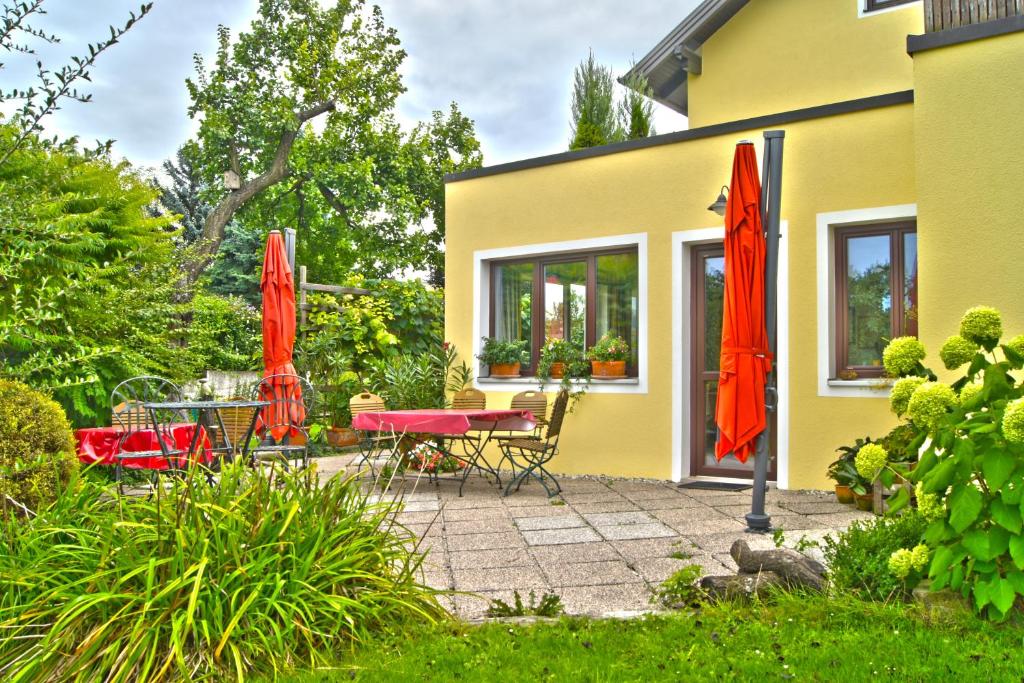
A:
(708, 286)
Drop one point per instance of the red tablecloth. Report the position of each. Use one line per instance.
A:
(99, 445)
(444, 422)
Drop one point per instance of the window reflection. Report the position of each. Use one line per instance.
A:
(618, 299)
(869, 299)
(513, 303)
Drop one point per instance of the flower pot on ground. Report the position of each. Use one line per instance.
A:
(503, 358)
(341, 437)
(865, 501)
(608, 357)
(843, 471)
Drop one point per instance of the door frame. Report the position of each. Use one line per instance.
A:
(683, 242)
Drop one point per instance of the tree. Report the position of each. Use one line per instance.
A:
(636, 108)
(298, 62)
(593, 110)
(184, 195)
(52, 87)
(236, 270)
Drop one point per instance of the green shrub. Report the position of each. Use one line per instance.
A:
(858, 558)
(970, 477)
(250, 576)
(681, 589)
(225, 334)
(37, 448)
(499, 352)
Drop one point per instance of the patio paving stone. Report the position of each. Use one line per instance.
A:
(555, 522)
(425, 517)
(590, 573)
(841, 519)
(654, 547)
(474, 502)
(674, 501)
(486, 559)
(650, 493)
(622, 505)
(596, 497)
(738, 511)
(498, 578)
(657, 569)
(479, 526)
(812, 508)
(610, 518)
(623, 532)
(421, 506)
(578, 552)
(541, 511)
(471, 514)
(704, 522)
(561, 536)
(485, 541)
(597, 600)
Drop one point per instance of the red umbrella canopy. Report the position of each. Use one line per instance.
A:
(279, 340)
(745, 359)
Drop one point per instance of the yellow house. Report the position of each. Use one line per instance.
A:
(902, 198)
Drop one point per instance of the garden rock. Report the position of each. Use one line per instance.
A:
(759, 569)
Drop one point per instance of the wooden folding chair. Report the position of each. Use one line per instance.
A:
(370, 443)
(533, 454)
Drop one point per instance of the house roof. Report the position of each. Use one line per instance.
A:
(666, 66)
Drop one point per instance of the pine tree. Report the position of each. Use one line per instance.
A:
(636, 110)
(593, 110)
(184, 194)
(236, 270)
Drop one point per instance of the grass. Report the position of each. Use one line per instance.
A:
(799, 638)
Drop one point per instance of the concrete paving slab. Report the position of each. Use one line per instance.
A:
(621, 505)
(613, 518)
(561, 536)
(479, 526)
(554, 522)
(624, 532)
(486, 559)
(485, 541)
(541, 511)
(590, 573)
(574, 552)
(498, 578)
(654, 547)
(599, 600)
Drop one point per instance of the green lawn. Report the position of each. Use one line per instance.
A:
(795, 638)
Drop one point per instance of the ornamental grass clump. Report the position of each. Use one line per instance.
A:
(969, 481)
(250, 576)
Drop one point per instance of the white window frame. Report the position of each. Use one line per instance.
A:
(482, 315)
(863, 11)
(826, 266)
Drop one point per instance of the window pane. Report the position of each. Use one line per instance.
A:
(565, 302)
(714, 295)
(618, 299)
(910, 284)
(513, 304)
(869, 299)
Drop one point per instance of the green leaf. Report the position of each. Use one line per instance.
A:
(1016, 545)
(1016, 580)
(939, 479)
(1011, 491)
(924, 465)
(886, 476)
(965, 505)
(956, 578)
(981, 594)
(899, 500)
(1006, 516)
(997, 466)
(1002, 594)
(1015, 359)
(987, 544)
(941, 560)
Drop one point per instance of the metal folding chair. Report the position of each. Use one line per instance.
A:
(128, 415)
(291, 405)
(531, 455)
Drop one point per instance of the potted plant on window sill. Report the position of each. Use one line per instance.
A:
(574, 368)
(608, 357)
(503, 358)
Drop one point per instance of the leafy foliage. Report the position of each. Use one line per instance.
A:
(250, 576)
(843, 470)
(636, 108)
(593, 109)
(973, 465)
(37, 449)
(236, 269)
(89, 280)
(184, 195)
(407, 382)
(609, 348)
(225, 333)
(550, 605)
(681, 589)
(502, 352)
(858, 558)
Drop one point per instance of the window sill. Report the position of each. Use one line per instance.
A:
(871, 387)
(629, 385)
(880, 383)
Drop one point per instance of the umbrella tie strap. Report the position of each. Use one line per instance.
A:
(747, 351)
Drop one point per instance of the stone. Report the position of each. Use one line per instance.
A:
(554, 522)
(740, 585)
(590, 573)
(561, 536)
(624, 532)
(793, 568)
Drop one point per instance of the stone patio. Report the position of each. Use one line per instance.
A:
(602, 546)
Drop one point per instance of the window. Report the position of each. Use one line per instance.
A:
(876, 294)
(576, 296)
(874, 5)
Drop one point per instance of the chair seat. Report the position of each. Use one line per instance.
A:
(277, 447)
(535, 445)
(140, 455)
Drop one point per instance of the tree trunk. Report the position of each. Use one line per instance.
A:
(220, 216)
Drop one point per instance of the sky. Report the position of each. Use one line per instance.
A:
(508, 64)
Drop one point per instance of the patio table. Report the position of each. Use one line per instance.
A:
(206, 412)
(420, 425)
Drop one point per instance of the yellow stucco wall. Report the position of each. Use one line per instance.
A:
(969, 123)
(839, 163)
(778, 55)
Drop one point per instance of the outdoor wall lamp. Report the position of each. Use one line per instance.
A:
(720, 203)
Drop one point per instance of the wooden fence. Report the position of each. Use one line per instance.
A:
(940, 15)
(304, 287)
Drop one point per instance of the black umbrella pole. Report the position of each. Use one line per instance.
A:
(771, 198)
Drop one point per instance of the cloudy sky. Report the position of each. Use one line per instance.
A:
(508, 63)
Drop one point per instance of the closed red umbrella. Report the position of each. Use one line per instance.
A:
(279, 340)
(745, 356)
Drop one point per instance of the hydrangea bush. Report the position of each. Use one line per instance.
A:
(969, 481)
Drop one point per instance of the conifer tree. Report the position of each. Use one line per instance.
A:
(593, 109)
(636, 109)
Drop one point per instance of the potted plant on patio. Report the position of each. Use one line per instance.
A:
(851, 487)
(339, 416)
(608, 357)
(503, 358)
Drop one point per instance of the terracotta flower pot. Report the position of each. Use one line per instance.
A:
(844, 494)
(339, 437)
(865, 502)
(504, 370)
(608, 369)
(557, 370)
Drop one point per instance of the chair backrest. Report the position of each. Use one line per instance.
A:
(558, 414)
(469, 399)
(534, 401)
(236, 421)
(291, 403)
(128, 397)
(366, 403)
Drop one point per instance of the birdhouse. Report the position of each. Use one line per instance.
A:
(231, 180)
